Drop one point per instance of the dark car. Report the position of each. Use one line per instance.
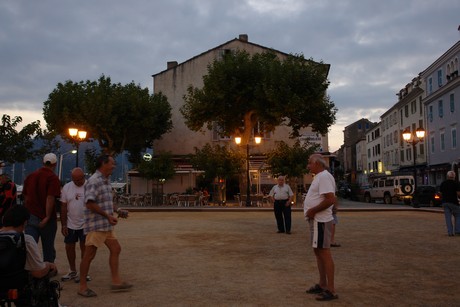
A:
(344, 190)
(426, 195)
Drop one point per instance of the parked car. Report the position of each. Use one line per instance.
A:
(427, 195)
(344, 190)
(387, 188)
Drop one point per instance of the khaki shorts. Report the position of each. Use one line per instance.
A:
(98, 238)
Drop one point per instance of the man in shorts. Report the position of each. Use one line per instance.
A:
(99, 225)
(72, 220)
(318, 206)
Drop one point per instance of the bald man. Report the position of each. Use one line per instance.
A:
(281, 195)
(72, 220)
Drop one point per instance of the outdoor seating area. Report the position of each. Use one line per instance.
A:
(256, 200)
(148, 200)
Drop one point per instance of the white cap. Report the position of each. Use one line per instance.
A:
(49, 158)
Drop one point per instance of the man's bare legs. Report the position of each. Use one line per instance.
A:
(70, 252)
(72, 255)
(115, 250)
(90, 253)
(326, 268)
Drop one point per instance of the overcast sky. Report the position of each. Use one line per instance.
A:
(374, 47)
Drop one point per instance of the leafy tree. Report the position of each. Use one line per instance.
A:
(158, 170)
(218, 162)
(241, 90)
(161, 167)
(91, 155)
(290, 161)
(119, 117)
(17, 146)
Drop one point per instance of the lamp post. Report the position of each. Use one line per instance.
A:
(414, 138)
(60, 161)
(257, 140)
(79, 136)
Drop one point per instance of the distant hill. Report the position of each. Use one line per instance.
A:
(19, 171)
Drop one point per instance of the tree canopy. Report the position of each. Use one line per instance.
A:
(289, 161)
(17, 146)
(161, 167)
(120, 117)
(241, 90)
(217, 161)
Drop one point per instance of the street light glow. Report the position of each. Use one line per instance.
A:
(78, 136)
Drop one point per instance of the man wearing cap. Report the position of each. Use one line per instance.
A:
(41, 188)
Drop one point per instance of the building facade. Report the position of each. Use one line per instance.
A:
(352, 135)
(374, 151)
(390, 139)
(442, 87)
(181, 141)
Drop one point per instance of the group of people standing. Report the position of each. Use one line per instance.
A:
(87, 217)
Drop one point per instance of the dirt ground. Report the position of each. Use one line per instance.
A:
(238, 259)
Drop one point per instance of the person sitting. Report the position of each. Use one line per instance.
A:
(22, 267)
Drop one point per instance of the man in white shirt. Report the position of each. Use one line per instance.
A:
(281, 194)
(72, 219)
(318, 205)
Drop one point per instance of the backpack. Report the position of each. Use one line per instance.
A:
(13, 256)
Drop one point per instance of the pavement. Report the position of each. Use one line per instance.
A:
(390, 255)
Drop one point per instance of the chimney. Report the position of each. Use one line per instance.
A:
(172, 64)
(243, 37)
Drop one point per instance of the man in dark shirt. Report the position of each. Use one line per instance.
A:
(41, 188)
(450, 190)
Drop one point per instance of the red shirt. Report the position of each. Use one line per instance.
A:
(37, 186)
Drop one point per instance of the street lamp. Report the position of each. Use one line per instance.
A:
(60, 161)
(413, 138)
(79, 136)
(257, 140)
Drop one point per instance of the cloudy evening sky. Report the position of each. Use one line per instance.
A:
(374, 47)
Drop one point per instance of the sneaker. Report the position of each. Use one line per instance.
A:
(69, 276)
(77, 279)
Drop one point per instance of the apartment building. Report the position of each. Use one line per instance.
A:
(361, 160)
(374, 151)
(181, 141)
(442, 102)
(431, 102)
(352, 135)
(390, 139)
(412, 117)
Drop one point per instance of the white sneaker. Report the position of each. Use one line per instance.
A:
(69, 276)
